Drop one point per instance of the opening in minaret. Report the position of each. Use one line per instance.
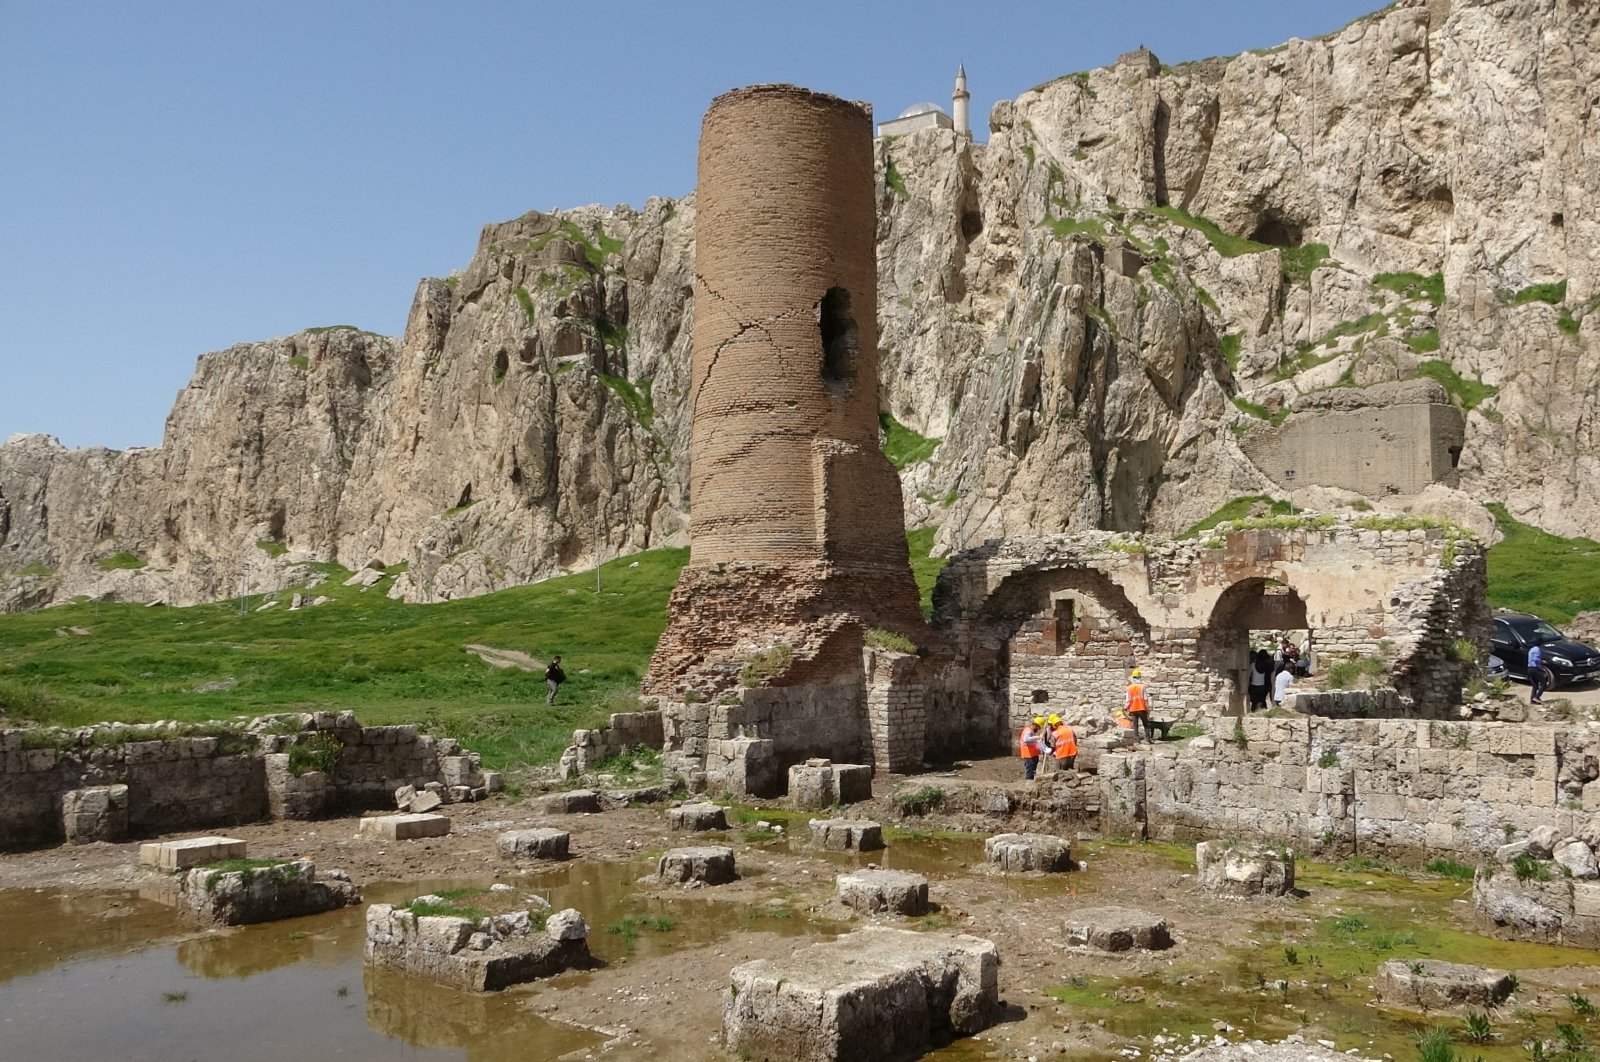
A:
(841, 341)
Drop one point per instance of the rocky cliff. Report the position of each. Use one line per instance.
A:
(1095, 313)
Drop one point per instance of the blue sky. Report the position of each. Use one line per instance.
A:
(180, 176)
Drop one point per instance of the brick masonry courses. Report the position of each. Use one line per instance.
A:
(1055, 623)
(797, 538)
(188, 782)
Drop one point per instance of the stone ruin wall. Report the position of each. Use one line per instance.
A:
(1409, 790)
(182, 783)
(797, 530)
(1070, 614)
(1377, 441)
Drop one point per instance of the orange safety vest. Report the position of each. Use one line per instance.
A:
(1124, 722)
(1066, 742)
(1029, 751)
(1136, 698)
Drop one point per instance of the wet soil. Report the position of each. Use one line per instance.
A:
(78, 929)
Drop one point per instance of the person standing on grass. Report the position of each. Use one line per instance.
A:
(554, 677)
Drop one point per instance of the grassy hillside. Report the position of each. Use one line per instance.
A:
(389, 661)
(1538, 572)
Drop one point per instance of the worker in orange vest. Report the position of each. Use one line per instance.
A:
(1064, 743)
(1028, 744)
(1138, 707)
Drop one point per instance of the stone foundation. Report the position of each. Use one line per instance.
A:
(533, 844)
(1230, 869)
(875, 994)
(1116, 929)
(884, 892)
(263, 894)
(706, 865)
(404, 827)
(1430, 984)
(180, 776)
(97, 813)
(819, 784)
(1024, 852)
(483, 956)
(574, 802)
(623, 731)
(697, 818)
(190, 852)
(1548, 907)
(844, 835)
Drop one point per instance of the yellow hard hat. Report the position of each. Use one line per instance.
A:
(1054, 718)
(1137, 673)
(1038, 720)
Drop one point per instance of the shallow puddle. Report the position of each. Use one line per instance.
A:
(101, 975)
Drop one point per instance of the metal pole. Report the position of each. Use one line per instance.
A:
(597, 546)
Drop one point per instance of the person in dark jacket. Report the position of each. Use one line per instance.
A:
(554, 677)
(1260, 679)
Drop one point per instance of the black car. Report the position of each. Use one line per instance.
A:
(1517, 632)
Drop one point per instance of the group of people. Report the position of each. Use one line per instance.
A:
(1272, 675)
(1049, 739)
(1052, 740)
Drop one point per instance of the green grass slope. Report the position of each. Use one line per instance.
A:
(1535, 571)
(390, 662)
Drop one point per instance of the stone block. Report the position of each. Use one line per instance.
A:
(1578, 858)
(697, 817)
(1243, 870)
(1528, 910)
(533, 844)
(96, 813)
(1029, 852)
(706, 864)
(1116, 929)
(574, 802)
(846, 835)
(1430, 984)
(884, 891)
(874, 995)
(405, 827)
(486, 955)
(853, 782)
(263, 894)
(181, 855)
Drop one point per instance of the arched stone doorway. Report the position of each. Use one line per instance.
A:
(1053, 640)
(1243, 615)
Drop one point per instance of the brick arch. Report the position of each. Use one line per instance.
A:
(1021, 597)
(1240, 607)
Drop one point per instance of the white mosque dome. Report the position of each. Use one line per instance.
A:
(921, 108)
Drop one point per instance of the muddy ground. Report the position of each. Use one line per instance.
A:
(1226, 974)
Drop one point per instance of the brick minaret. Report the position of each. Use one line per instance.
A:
(796, 526)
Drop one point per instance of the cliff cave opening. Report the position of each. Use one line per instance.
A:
(1278, 231)
(841, 340)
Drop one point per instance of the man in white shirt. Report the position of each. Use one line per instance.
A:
(1280, 686)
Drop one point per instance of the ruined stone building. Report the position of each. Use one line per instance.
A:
(795, 632)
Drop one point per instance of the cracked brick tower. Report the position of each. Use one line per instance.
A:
(797, 533)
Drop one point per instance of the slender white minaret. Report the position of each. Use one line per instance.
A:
(958, 102)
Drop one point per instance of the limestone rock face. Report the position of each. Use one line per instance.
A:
(1072, 309)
